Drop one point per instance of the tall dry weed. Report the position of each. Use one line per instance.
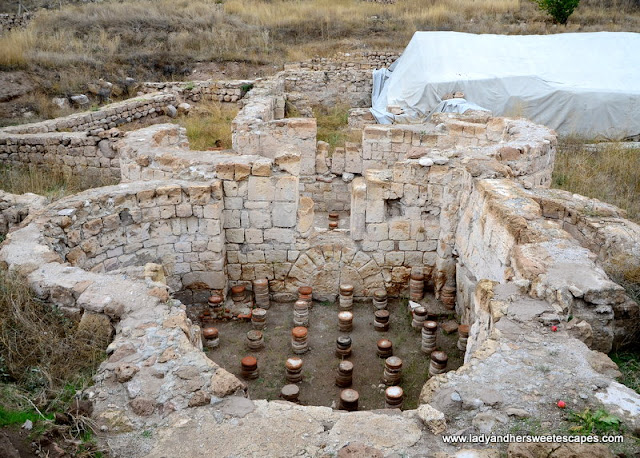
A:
(40, 348)
(209, 125)
(608, 173)
(15, 46)
(51, 183)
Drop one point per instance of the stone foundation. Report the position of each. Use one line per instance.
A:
(197, 91)
(463, 197)
(15, 208)
(14, 21)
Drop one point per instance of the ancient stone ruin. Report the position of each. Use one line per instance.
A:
(463, 198)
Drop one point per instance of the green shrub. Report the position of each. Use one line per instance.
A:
(598, 422)
(560, 10)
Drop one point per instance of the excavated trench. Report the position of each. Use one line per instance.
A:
(320, 362)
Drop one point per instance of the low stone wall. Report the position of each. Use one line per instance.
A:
(507, 233)
(82, 143)
(14, 208)
(505, 140)
(358, 60)
(196, 91)
(72, 153)
(14, 21)
(155, 364)
(107, 117)
(175, 224)
(261, 129)
(331, 87)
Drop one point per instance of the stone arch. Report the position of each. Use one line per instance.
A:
(333, 258)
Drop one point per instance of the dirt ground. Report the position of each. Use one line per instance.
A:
(233, 70)
(320, 363)
(15, 443)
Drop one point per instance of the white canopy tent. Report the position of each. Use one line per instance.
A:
(585, 84)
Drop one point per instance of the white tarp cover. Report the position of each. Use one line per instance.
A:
(586, 84)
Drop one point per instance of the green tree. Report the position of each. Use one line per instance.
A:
(560, 10)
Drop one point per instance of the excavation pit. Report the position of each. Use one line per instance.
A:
(320, 363)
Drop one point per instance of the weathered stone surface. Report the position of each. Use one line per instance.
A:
(558, 450)
(223, 383)
(359, 450)
(365, 427)
(463, 198)
(432, 418)
(142, 406)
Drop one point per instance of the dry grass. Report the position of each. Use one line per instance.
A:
(163, 39)
(50, 183)
(609, 173)
(332, 126)
(209, 125)
(15, 48)
(40, 348)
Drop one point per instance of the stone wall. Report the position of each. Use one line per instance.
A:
(260, 197)
(261, 129)
(107, 117)
(507, 233)
(71, 153)
(14, 21)
(329, 194)
(82, 143)
(331, 87)
(359, 60)
(196, 91)
(172, 223)
(502, 139)
(406, 202)
(14, 208)
(155, 365)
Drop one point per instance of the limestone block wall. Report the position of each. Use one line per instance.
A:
(260, 128)
(328, 193)
(14, 208)
(176, 224)
(261, 228)
(155, 363)
(261, 222)
(14, 21)
(72, 152)
(81, 143)
(107, 117)
(509, 141)
(195, 91)
(507, 233)
(406, 202)
(395, 214)
(331, 87)
(359, 60)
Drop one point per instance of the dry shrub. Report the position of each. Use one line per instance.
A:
(162, 39)
(333, 125)
(41, 349)
(15, 46)
(50, 183)
(627, 276)
(209, 125)
(608, 173)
